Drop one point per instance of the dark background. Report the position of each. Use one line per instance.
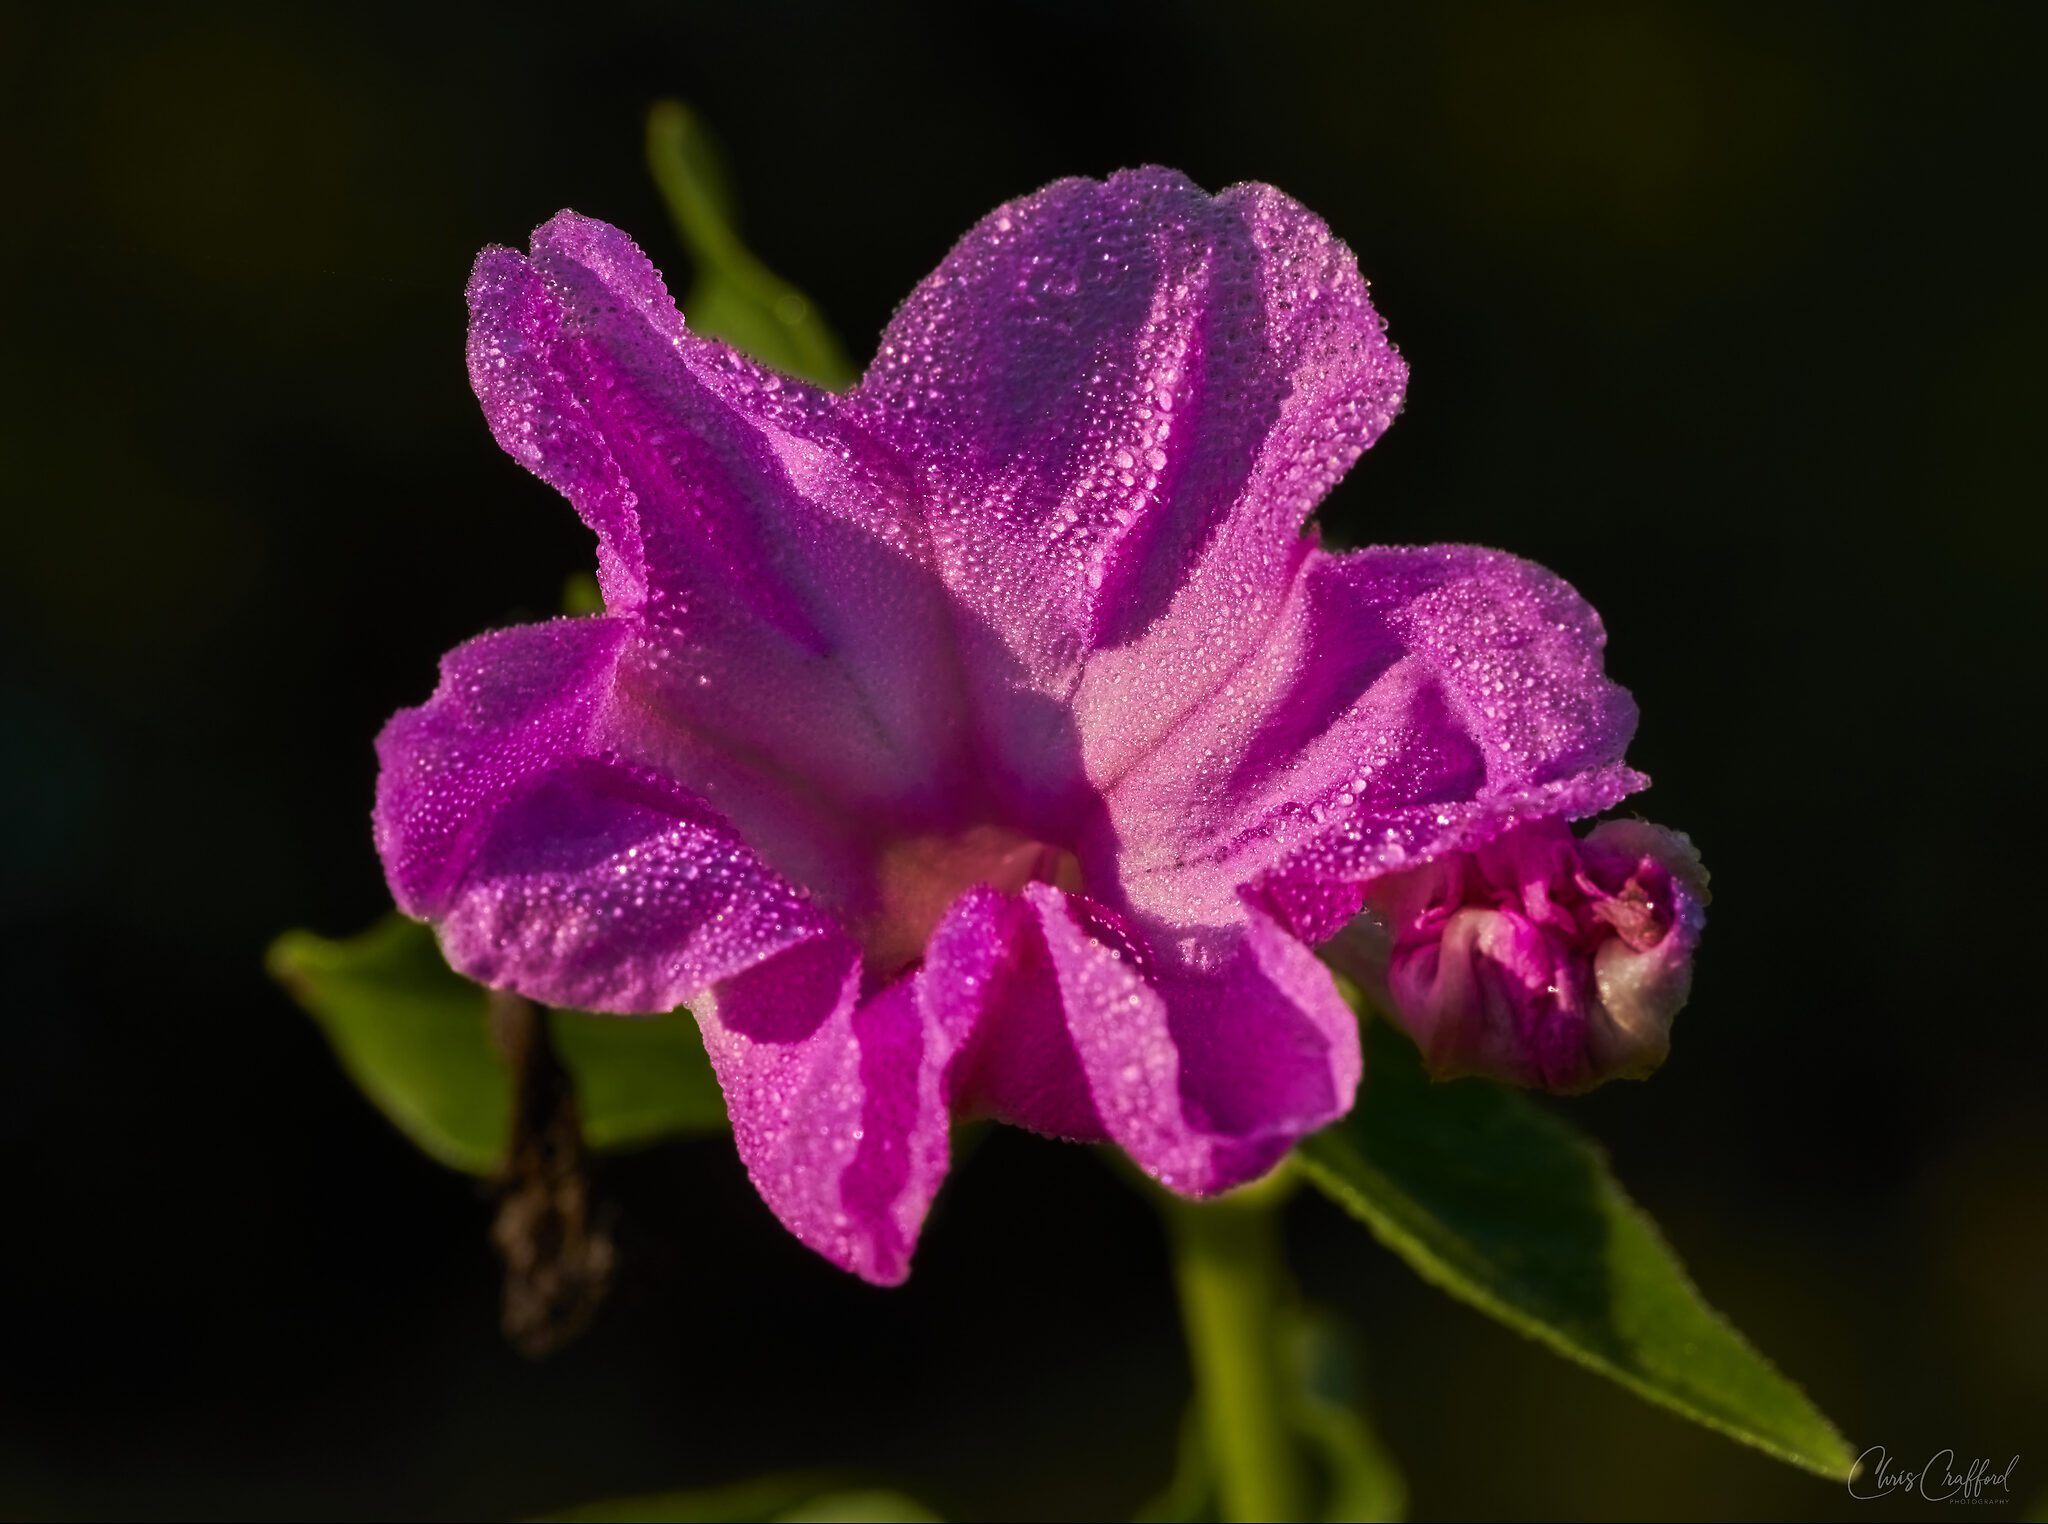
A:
(1727, 315)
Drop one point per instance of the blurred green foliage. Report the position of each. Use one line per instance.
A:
(734, 296)
(1354, 1476)
(414, 1036)
(793, 1499)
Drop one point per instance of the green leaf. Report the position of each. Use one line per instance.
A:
(1501, 1204)
(415, 1037)
(639, 1078)
(411, 1033)
(815, 1500)
(734, 297)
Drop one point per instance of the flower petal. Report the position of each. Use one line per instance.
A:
(555, 870)
(989, 962)
(1407, 699)
(1126, 395)
(538, 418)
(842, 1108)
(1204, 1073)
(510, 705)
(794, 657)
(824, 1096)
(552, 868)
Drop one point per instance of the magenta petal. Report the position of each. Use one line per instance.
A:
(841, 1108)
(793, 648)
(1268, 1048)
(569, 877)
(538, 417)
(581, 881)
(1076, 1029)
(1125, 396)
(988, 959)
(823, 1093)
(1205, 1078)
(510, 706)
(609, 888)
(1404, 701)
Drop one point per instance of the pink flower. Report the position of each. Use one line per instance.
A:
(988, 740)
(1538, 958)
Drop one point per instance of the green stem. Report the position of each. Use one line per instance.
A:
(1228, 1264)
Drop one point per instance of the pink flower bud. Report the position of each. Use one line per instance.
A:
(1541, 958)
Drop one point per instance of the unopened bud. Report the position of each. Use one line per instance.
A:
(1541, 958)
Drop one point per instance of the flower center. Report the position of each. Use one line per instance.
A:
(918, 877)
